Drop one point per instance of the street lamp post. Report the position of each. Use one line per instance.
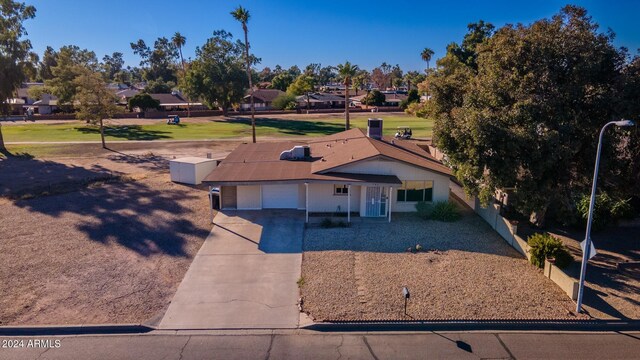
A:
(587, 237)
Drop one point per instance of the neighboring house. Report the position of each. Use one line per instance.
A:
(391, 99)
(348, 172)
(23, 100)
(262, 99)
(321, 101)
(125, 95)
(47, 105)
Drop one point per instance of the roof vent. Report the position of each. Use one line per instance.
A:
(374, 128)
(297, 153)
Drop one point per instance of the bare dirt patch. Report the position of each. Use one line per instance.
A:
(358, 274)
(97, 252)
(105, 254)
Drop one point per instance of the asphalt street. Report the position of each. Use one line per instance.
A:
(313, 345)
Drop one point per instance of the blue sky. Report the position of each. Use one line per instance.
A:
(298, 32)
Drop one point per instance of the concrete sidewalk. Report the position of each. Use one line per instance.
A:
(244, 275)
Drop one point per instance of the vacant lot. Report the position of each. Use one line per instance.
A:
(207, 128)
(470, 273)
(110, 252)
(106, 254)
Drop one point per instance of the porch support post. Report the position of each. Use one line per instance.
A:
(306, 201)
(390, 201)
(349, 203)
(210, 205)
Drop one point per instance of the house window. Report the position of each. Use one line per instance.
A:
(340, 190)
(414, 191)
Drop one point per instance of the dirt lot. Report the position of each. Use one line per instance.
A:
(358, 273)
(106, 253)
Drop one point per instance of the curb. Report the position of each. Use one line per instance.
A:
(475, 325)
(102, 329)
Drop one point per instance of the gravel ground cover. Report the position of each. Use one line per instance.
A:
(467, 272)
(107, 253)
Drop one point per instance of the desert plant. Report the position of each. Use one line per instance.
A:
(544, 246)
(606, 210)
(326, 223)
(300, 281)
(440, 210)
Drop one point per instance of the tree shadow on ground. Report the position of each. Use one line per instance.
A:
(615, 244)
(22, 174)
(290, 127)
(145, 216)
(132, 214)
(147, 161)
(129, 132)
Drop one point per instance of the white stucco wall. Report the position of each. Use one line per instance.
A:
(249, 197)
(322, 199)
(404, 172)
(302, 196)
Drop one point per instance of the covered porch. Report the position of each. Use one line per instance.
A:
(344, 195)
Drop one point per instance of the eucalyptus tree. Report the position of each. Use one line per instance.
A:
(14, 50)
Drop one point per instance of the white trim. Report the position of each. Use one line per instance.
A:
(306, 201)
(390, 198)
(349, 203)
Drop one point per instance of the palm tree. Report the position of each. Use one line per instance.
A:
(347, 71)
(426, 56)
(179, 41)
(242, 15)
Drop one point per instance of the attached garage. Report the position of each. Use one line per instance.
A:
(281, 196)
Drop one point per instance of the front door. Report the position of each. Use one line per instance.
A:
(376, 201)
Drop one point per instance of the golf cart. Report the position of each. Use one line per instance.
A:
(173, 120)
(404, 133)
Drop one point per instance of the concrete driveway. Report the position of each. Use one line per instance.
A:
(244, 275)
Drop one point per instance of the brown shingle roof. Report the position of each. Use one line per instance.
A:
(265, 95)
(261, 161)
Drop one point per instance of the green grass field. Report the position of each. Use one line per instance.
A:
(219, 129)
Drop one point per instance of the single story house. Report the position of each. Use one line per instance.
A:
(262, 99)
(390, 99)
(319, 100)
(350, 172)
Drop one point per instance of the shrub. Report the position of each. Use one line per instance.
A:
(543, 246)
(606, 210)
(440, 210)
(285, 102)
(326, 223)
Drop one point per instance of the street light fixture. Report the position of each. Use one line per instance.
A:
(587, 238)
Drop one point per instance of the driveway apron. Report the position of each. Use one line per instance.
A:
(244, 276)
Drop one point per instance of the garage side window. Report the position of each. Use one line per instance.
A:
(340, 190)
(414, 191)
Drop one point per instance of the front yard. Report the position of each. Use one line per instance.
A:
(467, 272)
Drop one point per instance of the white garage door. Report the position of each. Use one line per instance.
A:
(280, 196)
